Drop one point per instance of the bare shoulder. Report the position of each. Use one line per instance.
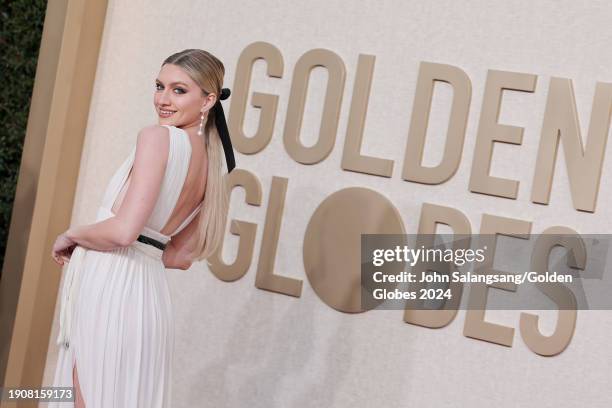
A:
(152, 145)
(154, 133)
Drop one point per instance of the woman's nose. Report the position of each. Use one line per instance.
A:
(164, 98)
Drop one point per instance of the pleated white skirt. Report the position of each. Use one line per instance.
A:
(122, 330)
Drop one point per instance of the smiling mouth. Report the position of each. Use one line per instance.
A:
(166, 112)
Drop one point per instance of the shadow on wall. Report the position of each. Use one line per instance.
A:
(284, 347)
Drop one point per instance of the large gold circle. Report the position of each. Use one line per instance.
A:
(332, 243)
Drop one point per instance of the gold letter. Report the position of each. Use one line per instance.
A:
(331, 107)
(266, 102)
(332, 244)
(429, 73)
(583, 164)
(431, 216)
(490, 131)
(265, 278)
(559, 293)
(245, 230)
(352, 159)
(475, 324)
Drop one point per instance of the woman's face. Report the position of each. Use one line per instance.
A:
(178, 100)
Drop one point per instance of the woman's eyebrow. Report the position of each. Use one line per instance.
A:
(173, 83)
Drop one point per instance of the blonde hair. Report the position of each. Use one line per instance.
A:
(207, 71)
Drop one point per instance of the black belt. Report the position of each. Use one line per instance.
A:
(151, 241)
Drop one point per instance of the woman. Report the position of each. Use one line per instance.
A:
(116, 324)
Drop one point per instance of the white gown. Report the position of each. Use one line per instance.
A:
(116, 321)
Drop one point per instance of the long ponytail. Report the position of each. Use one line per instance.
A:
(213, 215)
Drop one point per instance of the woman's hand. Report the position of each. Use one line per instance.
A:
(172, 258)
(62, 249)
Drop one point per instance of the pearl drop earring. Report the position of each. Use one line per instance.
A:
(200, 131)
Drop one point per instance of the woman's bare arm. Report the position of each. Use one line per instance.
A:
(102, 236)
(148, 170)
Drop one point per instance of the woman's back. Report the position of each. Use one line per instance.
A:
(194, 188)
(183, 187)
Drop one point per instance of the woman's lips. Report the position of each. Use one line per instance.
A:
(165, 113)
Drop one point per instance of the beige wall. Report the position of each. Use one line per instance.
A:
(240, 346)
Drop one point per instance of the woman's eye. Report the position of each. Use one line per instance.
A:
(179, 91)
